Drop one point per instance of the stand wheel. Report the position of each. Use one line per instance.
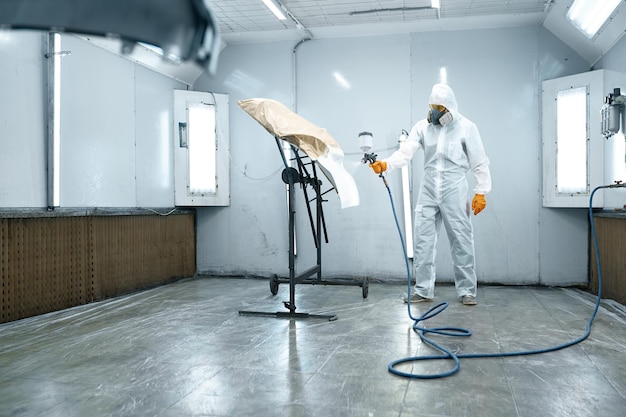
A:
(274, 285)
(291, 175)
(365, 287)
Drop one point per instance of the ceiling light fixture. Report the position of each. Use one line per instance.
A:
(434, 4)
(588, 16)
(392, 9)
(275, 9)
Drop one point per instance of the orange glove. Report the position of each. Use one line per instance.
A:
(478, 203)
(379, 167)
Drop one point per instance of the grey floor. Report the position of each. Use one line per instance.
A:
(184, 350)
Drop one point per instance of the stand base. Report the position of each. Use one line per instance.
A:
(275, 282)
(290, 315)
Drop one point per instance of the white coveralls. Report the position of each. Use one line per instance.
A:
(449, 152)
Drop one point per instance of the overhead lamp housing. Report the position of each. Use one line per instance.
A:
(588, 16)
(275, 8)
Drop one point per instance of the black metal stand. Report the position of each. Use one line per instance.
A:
(292, 176)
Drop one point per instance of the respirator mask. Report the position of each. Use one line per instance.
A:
(439, 115)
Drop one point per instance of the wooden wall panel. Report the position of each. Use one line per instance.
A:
(611, 235)
(45, 265)
(130, 253)
(52, 263)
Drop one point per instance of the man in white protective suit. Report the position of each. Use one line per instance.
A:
(452, 146)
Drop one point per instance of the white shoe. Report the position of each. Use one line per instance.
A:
(469, 300)
(416, 298)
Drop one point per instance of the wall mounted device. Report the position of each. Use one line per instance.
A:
(611, 113)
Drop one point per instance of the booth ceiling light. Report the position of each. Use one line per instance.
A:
(434, 4)
(275, 9)
(588, 16)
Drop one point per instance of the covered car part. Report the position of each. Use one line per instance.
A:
(313, 140)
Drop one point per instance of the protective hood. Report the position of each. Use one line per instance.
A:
(443, 94)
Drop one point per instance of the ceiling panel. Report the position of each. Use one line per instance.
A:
(241, 20)
(249, 21)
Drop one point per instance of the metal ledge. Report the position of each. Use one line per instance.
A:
(9, 213)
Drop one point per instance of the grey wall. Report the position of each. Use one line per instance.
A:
(497, 77)
(116, 127)
(615, 59)
(22, 121)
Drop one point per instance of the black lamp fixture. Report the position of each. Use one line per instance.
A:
(184, 30)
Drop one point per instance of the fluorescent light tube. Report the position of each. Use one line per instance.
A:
(275, 9)
(588, 16)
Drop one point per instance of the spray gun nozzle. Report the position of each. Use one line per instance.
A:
(369, 157)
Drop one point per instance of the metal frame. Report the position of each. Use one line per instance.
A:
(305, 177)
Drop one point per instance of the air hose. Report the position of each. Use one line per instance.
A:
(447, 354)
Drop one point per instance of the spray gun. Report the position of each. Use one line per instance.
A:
(365, 143)
(369, 158)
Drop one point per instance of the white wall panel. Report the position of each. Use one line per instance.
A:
(97, 127)
(22, 120)
(349, 86)
(493, 75)
(116, 127)
(154, 160)
(615, 59)
(250, 236)
(563, 249)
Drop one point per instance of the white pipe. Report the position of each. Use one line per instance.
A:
(406, 200)
(406, 203)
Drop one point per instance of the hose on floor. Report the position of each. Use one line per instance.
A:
(447, 354)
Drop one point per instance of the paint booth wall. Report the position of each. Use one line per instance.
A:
(615, 59)
(116, 127)
(381, 85)
(22, 121)
(116, 152)
(615, 146)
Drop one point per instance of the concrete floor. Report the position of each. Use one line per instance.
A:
(184, 350)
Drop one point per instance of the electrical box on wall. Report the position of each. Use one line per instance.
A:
(201, 148)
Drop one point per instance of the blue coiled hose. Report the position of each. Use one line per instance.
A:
(446, 354)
